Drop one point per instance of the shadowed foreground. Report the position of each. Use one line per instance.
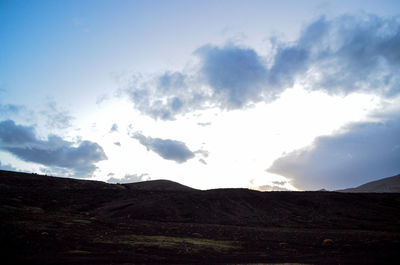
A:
(47, 220)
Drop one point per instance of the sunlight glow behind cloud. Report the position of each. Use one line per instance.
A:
(208, 103)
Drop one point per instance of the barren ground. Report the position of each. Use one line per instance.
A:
(46, 220)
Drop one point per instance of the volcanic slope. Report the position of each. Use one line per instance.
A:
(390, 184)
(51, 220)
(157, 185)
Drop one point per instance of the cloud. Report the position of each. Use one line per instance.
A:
(204, 124)
(363, 152)
(338, 56)
(15, 135)
(129, 179)
(55, 171)
(236, 75)
(271, 188)
(54, 152)
(279, 183)
(201, 160)
(352, 53)
(114, 128)
(102, 98)
(165, 96)
(166, 148)
(171, 81)
(56, 118)
(10, 109)
(203, 153)
(7, 167)
(228, 77)
(13, 111)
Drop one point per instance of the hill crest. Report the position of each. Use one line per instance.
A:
(385, 185)
(157, 185)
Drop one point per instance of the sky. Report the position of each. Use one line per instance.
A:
(266, 95)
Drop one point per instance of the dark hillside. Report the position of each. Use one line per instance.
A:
(50, 220)
(385, 185)
(158, 185)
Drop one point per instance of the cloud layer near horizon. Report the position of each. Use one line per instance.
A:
(338, 56)
(7, 167)
(129, 179)
(54, 152)
(364, 152)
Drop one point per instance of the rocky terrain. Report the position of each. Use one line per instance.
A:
(51, 220)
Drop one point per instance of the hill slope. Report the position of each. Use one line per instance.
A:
(390, 184)
(50, 220)
(157, 185)
(164, 200)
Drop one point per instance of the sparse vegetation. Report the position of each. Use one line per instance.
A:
(78, 252)
(191, 244)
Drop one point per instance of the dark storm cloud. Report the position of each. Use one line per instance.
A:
(129, 179)
(166, 148)
(54, 152)
(338, 56)
(365, 152)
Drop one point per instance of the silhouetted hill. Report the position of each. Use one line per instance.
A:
(390, 184)
(157, 185)
(51, 220)
(10, 179)
(163, 200)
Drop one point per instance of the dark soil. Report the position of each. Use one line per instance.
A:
(48, 220)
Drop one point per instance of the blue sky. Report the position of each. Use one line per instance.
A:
(208, 93)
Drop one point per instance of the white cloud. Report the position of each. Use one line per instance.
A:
(129, 178)
(240, 145)
(7, 167)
